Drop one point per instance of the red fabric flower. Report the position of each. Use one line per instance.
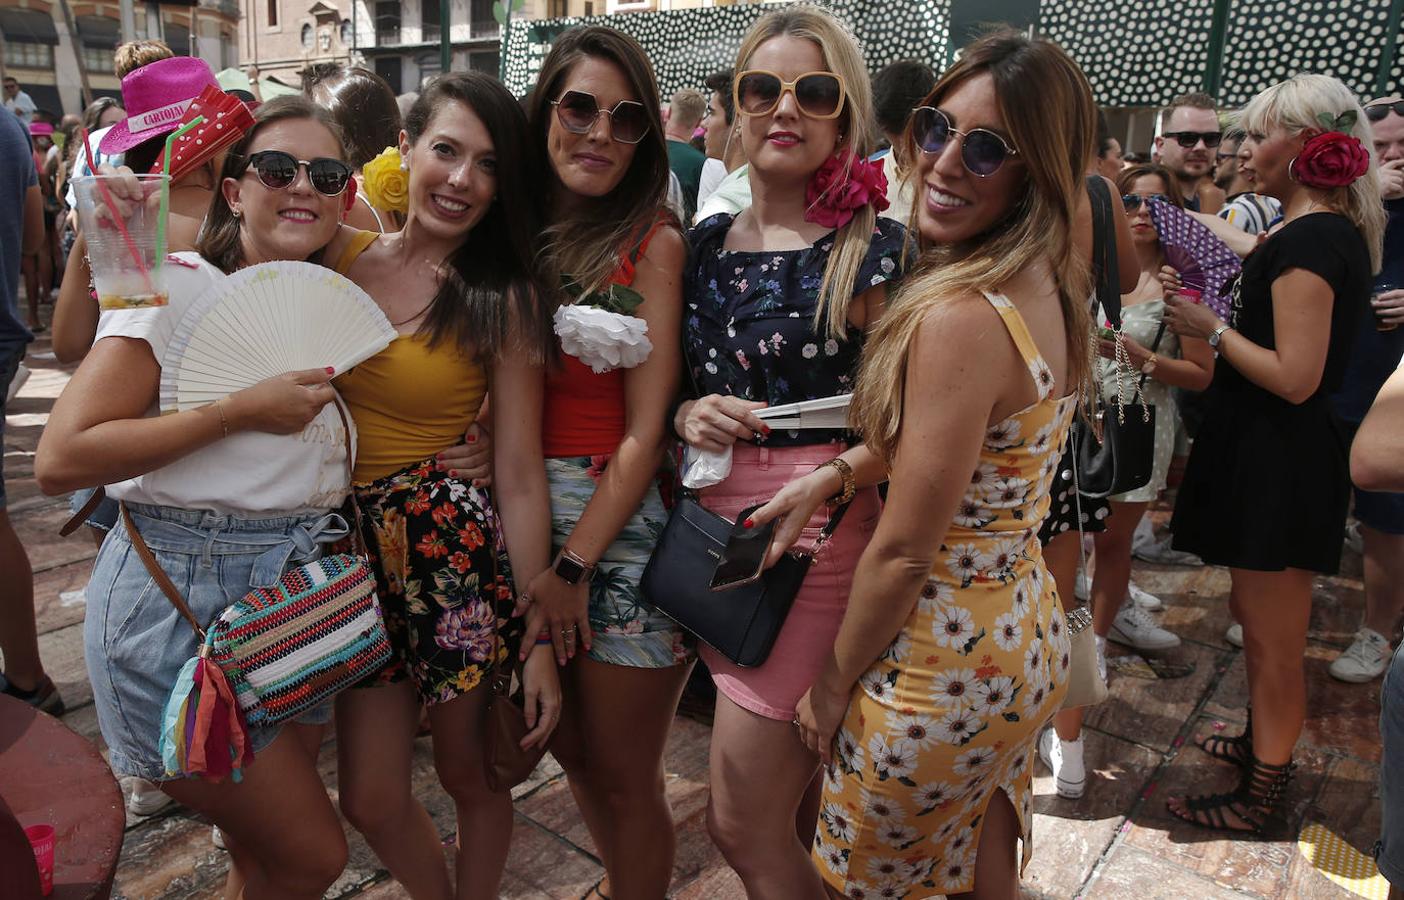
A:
(842, 185)
(1331, 159)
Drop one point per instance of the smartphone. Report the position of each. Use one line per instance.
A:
(743, 560)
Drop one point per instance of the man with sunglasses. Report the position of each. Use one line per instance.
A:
(1379, 343)
(1189, 136)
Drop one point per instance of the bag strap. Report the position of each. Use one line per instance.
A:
(1104, 255)
(1155, 345)
(81, 516)
(163, 581)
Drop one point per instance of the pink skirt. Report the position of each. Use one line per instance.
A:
(773, 688)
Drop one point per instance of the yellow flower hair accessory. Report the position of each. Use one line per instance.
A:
(385, 182)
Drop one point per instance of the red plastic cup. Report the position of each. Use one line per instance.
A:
(1190, 294)
(41, 838)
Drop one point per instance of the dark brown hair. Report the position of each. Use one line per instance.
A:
(586, 244)
(1127, 177)
(493, 266)
(220, 241)
(364, 105)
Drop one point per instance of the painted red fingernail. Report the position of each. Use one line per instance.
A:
(453, 473)
(330, 370)
(472, 438)
(750, 523)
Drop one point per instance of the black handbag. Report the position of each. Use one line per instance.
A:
(1116, 453)
(740, 623)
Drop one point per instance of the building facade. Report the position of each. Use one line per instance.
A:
(61, 51)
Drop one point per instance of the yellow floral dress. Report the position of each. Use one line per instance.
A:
(952, 710)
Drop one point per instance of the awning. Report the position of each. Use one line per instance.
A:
(99, 31)
(28, 26)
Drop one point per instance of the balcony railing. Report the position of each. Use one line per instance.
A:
(387, 35)
(488, 28)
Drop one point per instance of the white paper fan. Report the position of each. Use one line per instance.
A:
(263, 321)
(825, 412)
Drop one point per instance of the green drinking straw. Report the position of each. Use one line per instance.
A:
(166, 188)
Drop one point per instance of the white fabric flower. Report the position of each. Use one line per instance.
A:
(601, 339)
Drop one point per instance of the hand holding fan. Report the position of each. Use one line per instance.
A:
(266, 320)
(1204, 262)
(825, 412)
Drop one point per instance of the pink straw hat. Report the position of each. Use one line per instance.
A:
(155, 98)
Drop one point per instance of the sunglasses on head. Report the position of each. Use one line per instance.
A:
(819, 95)
(981, 151)
(578, 111)
(278, 170)
(1188, 139)
(1133, 202)
(1376, 112)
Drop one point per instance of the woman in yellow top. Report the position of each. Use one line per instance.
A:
(457, 285)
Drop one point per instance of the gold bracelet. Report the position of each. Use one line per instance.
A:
(223, 422)
(850, 483)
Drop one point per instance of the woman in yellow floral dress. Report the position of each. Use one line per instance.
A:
(953, 652)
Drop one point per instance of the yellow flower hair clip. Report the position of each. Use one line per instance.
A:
(386, 181)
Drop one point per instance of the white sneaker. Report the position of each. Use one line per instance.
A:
(1064, 760)
(1101, 643)
(1144, 599)
(217, 838)
(21, 376)
(1365, 659)
(1234, 635)
(1135, 628)
(147, 799)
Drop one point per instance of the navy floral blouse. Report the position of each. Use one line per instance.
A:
(749, 330)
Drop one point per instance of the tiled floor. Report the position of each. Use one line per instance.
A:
(1117, 842)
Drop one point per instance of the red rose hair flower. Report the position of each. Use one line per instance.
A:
(1331, 159)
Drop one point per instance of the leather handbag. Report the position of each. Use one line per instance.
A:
(1116, 453)
(505, 763)
(1085, 684)
(740, 623)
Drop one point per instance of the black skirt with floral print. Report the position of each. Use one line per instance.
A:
(442, 579)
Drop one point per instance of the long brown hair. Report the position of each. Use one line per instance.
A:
(221, 241)
(842, 57)
(586, 244)
(1046, 105)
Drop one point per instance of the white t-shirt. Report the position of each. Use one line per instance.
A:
(713, 171)
(900, 194)
(21, 105)
(732, 195)
(248, 473)
(80, 164)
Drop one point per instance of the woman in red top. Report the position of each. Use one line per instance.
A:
(614, 250)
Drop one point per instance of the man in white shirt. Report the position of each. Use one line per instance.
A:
(723, 147)
(17, 101)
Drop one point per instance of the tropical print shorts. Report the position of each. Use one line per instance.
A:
(442, 579)
(627, 631)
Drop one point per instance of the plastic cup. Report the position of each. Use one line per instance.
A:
(120, 219)
(1191, 294)
(41, 838)
(1380, 324)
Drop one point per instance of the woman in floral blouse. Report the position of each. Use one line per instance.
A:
(778, 298)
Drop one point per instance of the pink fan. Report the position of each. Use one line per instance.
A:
(1204, 262)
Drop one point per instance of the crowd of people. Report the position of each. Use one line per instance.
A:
(966, 253)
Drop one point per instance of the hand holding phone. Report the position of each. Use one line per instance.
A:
(743, 560)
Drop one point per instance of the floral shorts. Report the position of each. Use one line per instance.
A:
(442, 579)
(627, 631)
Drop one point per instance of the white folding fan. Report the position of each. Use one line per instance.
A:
(825, 412)
(263, 321)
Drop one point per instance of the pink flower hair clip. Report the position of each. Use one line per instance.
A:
(842, 185)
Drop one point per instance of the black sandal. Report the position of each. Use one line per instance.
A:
(1237, 750)
(1254, 803)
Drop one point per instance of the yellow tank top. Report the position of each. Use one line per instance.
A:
(408, 401)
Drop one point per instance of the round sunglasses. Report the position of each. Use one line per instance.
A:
(981, 151)
(1133, 202)
(819, 95)
(578, 111)
(277, 171)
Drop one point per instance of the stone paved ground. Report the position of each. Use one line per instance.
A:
(1117, 842)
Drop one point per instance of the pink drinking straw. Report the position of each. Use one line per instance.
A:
(111, 205)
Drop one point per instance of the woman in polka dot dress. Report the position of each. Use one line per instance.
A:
(953, 651)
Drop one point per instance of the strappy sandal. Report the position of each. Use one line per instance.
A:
(1254, 803)
(1237, 750)
(596, 892)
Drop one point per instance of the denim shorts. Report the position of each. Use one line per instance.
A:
(136, 642)
(1389, 852)
(104, 515)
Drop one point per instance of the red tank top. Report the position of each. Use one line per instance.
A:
(583, 413)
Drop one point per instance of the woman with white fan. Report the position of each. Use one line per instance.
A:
(457, 285)
(237, 482)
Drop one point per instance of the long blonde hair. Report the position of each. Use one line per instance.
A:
(1293, 105)
(843, 57)
(1047, 108)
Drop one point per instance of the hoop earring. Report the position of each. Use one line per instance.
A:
(1292, 170)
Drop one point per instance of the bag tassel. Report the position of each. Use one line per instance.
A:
(203, 732)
